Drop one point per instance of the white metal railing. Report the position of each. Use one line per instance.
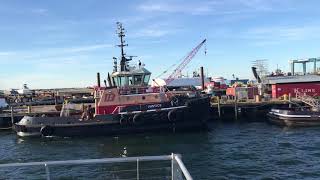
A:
(314, 103)
(178, 169)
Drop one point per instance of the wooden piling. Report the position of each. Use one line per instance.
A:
(12, 116)
(236, 107)
(82, 107)
(29, 109)
(55, 98)
(202, 77)
(290, 105)
(219, 109)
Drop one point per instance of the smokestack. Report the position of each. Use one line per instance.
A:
(202, 77)
(98, 79)
(109, 81)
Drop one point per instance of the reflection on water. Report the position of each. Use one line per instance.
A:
(229, 150)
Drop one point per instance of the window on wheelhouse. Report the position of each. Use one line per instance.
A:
(146, 79)
(115, 81)
(123, 81)
(130, 80)
(137, 79)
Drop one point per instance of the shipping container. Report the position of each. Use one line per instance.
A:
(311, 89)
(252, 92)
(242, 92)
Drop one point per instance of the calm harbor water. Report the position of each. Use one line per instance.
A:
(234, 150)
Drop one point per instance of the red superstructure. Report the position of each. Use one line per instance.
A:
(113, 100)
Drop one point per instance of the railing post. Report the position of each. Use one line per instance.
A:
(183, 168)
(47, 171)
(172, 171)
(137, 168)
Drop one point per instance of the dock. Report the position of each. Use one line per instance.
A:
(233, 109)
(15, 114)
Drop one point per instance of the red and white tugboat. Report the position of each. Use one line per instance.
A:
(127, 105)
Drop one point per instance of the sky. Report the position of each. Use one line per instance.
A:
(55, 44)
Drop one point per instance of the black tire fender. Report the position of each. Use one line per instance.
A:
(123, 119)
(164, 116)
(175, 115)
(46, 130)
(137, 118)
(130, 119)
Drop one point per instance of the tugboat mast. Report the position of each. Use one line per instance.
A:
(123, 61)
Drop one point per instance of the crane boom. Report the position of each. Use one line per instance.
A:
(185, 62)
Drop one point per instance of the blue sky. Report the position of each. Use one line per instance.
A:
(51, 44)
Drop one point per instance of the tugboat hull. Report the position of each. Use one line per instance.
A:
(192, 117)
(293, 118)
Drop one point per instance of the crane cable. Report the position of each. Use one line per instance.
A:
(165, 71)
(205, 53)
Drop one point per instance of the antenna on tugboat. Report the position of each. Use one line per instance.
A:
(124, 60)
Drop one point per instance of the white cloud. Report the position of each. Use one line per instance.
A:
(156, 30)
(270, 35)
(171, 7)
(40, 11)
(84, 48)
(5, 53)
(280, 33)
(50, 52)
(214, 7)
(151, 33)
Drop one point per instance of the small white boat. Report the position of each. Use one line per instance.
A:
(294, 117)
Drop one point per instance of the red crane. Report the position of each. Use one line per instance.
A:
(185, 62)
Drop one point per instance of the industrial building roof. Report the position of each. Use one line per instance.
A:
(292, 79)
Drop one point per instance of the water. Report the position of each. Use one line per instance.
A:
(250, 150)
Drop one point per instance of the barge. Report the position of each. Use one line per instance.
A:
(126, 105)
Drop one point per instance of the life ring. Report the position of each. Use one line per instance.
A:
(46, 131)
(175, 115)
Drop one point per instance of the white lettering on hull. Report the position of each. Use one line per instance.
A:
(154, 106)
